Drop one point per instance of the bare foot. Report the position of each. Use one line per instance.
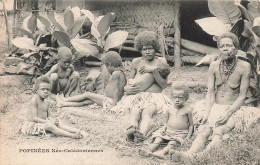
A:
(83, 133)
(130, 134)
(145, 153)
(158, 154)
(177, 155)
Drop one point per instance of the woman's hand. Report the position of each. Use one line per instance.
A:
(203, 118)
(146, 69)
(131, 90)
(224, 118)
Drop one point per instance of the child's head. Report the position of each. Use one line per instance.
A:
(65, 57)
(147, 38)
(164, 70)
(43, 86)
(180, 94)
(112, 60)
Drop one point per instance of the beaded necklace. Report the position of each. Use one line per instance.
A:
(228, 69)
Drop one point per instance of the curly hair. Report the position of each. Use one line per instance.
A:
(112, 58)
(64, 52)
(41, 79)
(181, 87)
(164, 70)
(147, 38)
(230, 35)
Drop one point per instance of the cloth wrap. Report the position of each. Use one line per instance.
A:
(171, 135)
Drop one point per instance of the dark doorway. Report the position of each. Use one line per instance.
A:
(190, 30)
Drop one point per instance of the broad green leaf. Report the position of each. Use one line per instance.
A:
(60, 19)
(62, 37)
(32, 23)
(76, 12)
(24, 43)
(94, 31)
(238, 28)
(245, 12)
(247, 29)
(254, 8)
(256, 30)
(225, 11)
(50, 62)
(68, 18)
(45, 22)
(25, 23)
(54, 22)
(29, 34)
(115, 39)
(104, 24)
(78, 25)
(213, 26)
(89, 14)
(85, 47)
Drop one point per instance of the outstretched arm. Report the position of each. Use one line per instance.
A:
(53, 69)
(210, 97)
(190, 125)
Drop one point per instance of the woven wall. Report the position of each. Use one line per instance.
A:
(144, 14)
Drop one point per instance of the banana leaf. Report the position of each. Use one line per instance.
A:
(225, 11)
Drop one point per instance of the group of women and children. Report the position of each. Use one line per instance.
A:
(141, 97)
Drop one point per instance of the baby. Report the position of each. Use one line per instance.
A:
(147, 79)
(38, 116)
(63, 76)
(179, 125)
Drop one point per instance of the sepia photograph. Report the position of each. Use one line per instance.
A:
(129, 82)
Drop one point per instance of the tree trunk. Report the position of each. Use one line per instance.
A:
(7, 27)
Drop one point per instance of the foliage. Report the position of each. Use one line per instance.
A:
(244, 21)
(99, 29)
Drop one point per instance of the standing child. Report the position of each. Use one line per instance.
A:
(114, 90)
(63, 76)
(38, 116)
(179, 125)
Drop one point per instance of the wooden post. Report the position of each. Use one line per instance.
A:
(161, 39)
(14, 21)
(177, 35)
(7, 27)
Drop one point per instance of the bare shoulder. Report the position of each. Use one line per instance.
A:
(214, 66)
(136, 60)
(243, 64)
(118, 74)
(161, 60)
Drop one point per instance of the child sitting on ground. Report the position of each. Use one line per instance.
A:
(179, 125)
(63, 76)
(114, 90)
(147, 79)
(38, 115)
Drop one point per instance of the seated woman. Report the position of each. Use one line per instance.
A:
(147, 80)
(144, 99)
(227, 88)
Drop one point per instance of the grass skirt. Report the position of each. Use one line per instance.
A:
(143, 100)
(243, 117)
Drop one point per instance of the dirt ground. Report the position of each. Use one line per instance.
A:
(105, 142)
